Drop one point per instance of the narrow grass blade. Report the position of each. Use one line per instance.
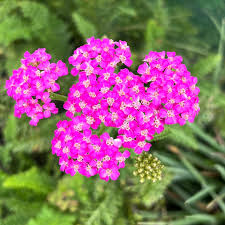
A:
(202, 181)
(196, 219)
(221, 170)
(220, 53)
(210, 140)
(199, 195)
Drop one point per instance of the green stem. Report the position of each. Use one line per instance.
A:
(58, 97)
(220, 52)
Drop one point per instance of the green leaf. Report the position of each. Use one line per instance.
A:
(27, 21)
(32, 179)
(126, 10)
(202, 181)
(48, 216)
(107, 210)
(13, 28)
(184, 136)
(15, 219)
(199, 195)
(37, 14)
(20, 205)
(196, 219)
(54, 33)
(206, 137)
(221, 170)
(56, 38)
(162, 135)
(5, 8)
(2, 177)
(206, 65)
(154, 35)
(5, 154)
(151, 192)
(10, 130)
(86, 28)
(20, 211)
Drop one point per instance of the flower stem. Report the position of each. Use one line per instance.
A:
(220, 53)
(58, 97)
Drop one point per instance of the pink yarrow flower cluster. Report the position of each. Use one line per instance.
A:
(87, 153)
(121, 99)
(30, 85)
(137, 106)
(104, 96)
(171, 88)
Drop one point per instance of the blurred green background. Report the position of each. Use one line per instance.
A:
(32, 189)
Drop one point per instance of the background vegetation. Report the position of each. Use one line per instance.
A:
(32, 189)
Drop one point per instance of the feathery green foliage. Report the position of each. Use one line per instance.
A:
(51, 217)
(32, 179)
(86, 28)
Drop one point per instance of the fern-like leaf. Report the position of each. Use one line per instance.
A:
(52, 217)
(206, 65)
(107, 210)
(86, 28)
(149, 192)
(31, 179)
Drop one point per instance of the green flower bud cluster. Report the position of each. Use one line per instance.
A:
(148, 167)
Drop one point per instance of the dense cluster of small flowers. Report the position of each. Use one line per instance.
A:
(148, 167)
(138, 106)
(171, 88)
(87, 153)
(121, 99)
(30, 85)
(97, 54)
(107, 97)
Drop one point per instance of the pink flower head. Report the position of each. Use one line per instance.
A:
(136, 106)
(99, 87)
(172, 89)
(87, 153)
(31, 84)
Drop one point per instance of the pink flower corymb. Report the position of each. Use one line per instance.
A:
(30, 85)
(135, 106)
(172, 89)
(87, 154)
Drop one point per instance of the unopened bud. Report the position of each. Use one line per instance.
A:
(148, 167)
